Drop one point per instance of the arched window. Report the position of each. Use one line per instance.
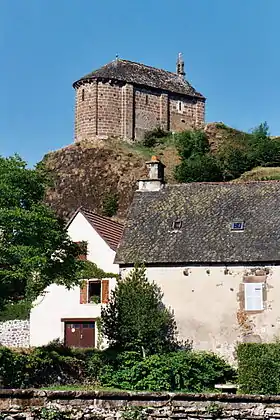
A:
(180, 106)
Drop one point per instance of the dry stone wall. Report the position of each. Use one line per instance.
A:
(28, 404)
(14, 333)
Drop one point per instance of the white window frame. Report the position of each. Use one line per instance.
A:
(253, 297)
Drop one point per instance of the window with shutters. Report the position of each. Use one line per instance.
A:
(254, 296)
(94, 291)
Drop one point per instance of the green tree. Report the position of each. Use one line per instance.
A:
(197, 164)
(35, 249)
(135, 317)
(199, 168)
(192, 143)
(263, 150)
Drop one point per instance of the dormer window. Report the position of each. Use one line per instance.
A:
(177, 224)
(238, 226)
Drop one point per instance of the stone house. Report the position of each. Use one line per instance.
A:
(214, 249)
(71, 315)
(125, 99)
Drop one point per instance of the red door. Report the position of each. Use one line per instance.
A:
(80, 334)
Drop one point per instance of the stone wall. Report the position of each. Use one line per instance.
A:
(27, 404)
(115, 109)
(147, 111)
(14, 333)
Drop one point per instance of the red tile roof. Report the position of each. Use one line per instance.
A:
(109, 230)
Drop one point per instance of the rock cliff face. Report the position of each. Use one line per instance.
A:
(87, 174)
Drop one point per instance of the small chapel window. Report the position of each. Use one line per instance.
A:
(180, 106)
(147, 99)
(83, 95)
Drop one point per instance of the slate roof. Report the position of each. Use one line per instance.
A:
(206, 211)
(108, 229)
(140, 74)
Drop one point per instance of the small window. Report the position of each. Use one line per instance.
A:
(94, 291)
(83, 95)
(180, 106)
(254, 296)
(177, 224)
(88, 325)
(147, 100)
(238, 226)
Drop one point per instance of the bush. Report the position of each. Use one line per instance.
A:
(259, 368)
(234, 156)
(192, 143)
(110, 204)
(154, 137)
(177, 371)
(199, 169)
(16, 310)
(56, 364)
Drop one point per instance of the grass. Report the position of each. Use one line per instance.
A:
(260, 174)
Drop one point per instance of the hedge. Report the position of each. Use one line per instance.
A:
(58, 365)
(259, 368)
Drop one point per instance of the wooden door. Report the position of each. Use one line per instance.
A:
(80, 334)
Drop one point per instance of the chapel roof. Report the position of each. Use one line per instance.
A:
(142, 75)
(205, 213)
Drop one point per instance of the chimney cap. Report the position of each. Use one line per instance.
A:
(155, 159)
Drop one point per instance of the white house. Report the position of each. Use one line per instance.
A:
(70, 315)
(214, 249)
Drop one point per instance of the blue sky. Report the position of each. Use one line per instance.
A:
(230, 47)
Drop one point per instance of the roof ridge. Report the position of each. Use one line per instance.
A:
(82, 208)
(271, 181)
(146, 65)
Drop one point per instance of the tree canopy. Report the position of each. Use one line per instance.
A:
(233, 157)
(35, 250)
(135, 317)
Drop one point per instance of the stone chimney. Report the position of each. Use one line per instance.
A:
(181, 66)
(155, 180)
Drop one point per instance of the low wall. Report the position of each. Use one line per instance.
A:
(28, 404)
(15, 333)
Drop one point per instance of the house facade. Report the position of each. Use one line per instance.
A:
(125, 99)
(213, 248)
(71, 315)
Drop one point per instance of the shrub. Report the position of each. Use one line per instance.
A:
(192, 143)
(177, 371)
(56, 364)
(199, 169)
(12, 367)
(259, 368)
(110, 204)
(16, 310)
(154, 137)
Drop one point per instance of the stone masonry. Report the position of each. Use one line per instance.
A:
(28, 404)
(125, 99)
(14, 333)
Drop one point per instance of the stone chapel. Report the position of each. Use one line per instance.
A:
(125, 99)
